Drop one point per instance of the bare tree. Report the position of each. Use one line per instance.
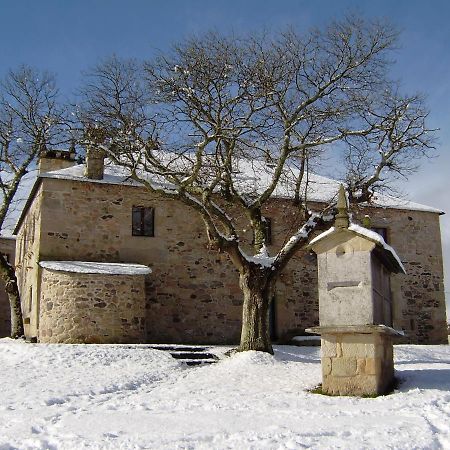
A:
(192, 124)
(29, 121)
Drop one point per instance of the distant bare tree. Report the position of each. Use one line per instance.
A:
(29, 121)
(191, 124)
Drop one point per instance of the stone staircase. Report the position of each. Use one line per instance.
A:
(189, 355)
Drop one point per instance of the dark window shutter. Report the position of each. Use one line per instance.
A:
(148, 221)
(143, 221)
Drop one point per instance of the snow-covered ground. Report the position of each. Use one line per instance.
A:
(132, 397)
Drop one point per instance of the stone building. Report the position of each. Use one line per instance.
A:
(192, 293)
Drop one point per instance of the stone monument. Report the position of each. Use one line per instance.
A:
(355, 307)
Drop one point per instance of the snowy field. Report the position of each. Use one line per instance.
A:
(133, 397)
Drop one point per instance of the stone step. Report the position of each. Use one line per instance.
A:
(199, 362)
(190, 355)
(176, 348)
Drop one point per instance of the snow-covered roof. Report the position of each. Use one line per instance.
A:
(250, 176)
(253, 176)
(368, 234)
(112, 175)
(96, 267)
(18, 203)
(388, 201)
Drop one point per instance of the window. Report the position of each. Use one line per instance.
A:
(382, 232)
(143, 221)
(268, 230)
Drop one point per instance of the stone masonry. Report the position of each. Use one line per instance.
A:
(193, 293)
(91, 308)
(356, 363)
(418, 296)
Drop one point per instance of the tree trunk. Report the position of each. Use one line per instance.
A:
(257, 287)
(8, 275)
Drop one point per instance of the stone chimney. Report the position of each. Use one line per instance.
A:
(95, 163)
(50, 160)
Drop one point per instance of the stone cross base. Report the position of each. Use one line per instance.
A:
(356, 360)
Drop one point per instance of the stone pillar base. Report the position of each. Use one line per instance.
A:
(357, 360)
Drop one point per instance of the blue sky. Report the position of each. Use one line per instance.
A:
(67, 37)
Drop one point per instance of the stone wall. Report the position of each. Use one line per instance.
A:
(27, 271)
(357, 364)
(8, 248)
(418, 296)
(91, 308)
(296, 305)
(193, 293)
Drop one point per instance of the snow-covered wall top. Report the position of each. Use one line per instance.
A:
(96, 267)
